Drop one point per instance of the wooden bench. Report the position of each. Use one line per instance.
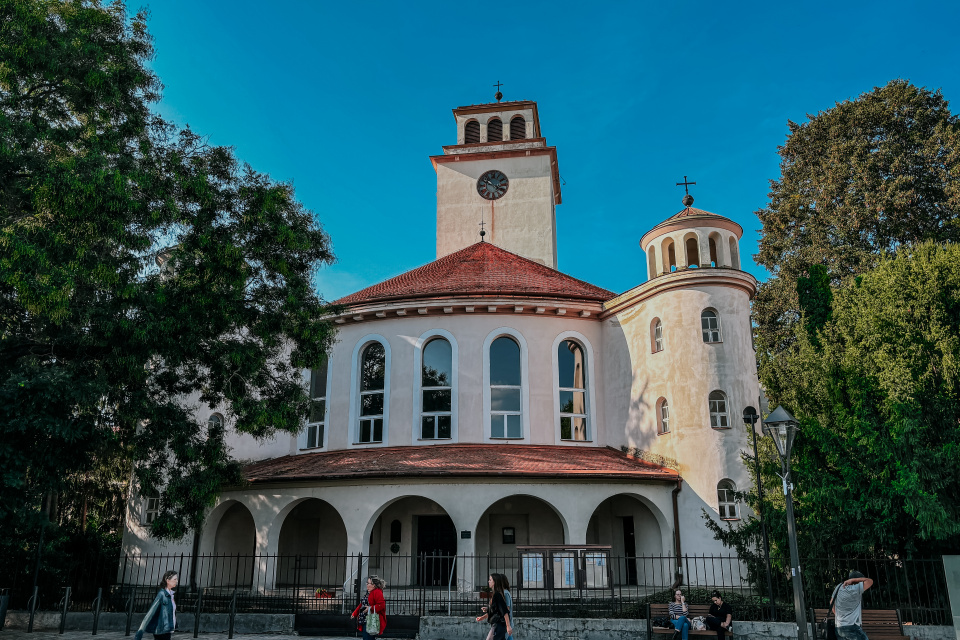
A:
(878, 624)
(693, 611)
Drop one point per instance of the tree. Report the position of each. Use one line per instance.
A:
(105, 355)
(867, 176)
(877, 393)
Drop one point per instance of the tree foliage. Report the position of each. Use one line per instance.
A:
(877, 393)
(105, 355)
(867, 176)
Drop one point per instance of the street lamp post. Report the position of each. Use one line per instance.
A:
(782, 427)
(750, 417)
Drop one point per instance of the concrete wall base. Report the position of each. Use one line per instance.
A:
(209, 622)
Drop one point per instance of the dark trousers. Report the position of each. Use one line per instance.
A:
(714, 623)
(499, 631)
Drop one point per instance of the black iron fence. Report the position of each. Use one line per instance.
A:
(550, 582)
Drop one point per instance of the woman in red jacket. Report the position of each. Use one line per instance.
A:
(373, 602)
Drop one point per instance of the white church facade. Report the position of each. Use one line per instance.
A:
(486, 404)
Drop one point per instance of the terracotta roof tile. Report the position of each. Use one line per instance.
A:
(459, 460)
(691, 212)
(480, 269)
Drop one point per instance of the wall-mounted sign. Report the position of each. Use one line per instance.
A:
(465, 535)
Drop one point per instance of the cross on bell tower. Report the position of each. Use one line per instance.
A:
(687, 199)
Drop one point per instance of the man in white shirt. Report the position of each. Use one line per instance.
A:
(847, 606)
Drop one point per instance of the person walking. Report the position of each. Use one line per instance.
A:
(509, 599)
(848, 606)
(371, 602)
(721, 615)
(496, 612)
(678, 615)
(161, 618)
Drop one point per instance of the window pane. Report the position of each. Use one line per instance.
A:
(428, 427)
(566, 429)
(311, 437)
(372, 373)
(573, 402)
(377, 430)
(444, 429)
(437, 400)
(496, 426)
(505, 399)
(371, 404)
(437, 364)
(365, 431)
(317, 410)
(505, 362)
(579, 428)
(318, 381)
(514, 426)
(571, 364)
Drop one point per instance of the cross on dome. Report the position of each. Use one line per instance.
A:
(687, 199)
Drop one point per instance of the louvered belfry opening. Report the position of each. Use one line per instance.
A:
(495, 130)
(518, 128)
(471, 132)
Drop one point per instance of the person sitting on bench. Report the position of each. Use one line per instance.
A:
(678, 615)
(721, 615)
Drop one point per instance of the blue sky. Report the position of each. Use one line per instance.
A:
(347, 101)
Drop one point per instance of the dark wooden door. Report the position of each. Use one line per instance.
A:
(630, 549)
(436, 550)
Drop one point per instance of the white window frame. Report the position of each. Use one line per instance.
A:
(663, 421)
(721, 413)
(303, 443)
(354, 417)
(589, 391)
(418, 387)
(658, 335)
(216, 415)
(708, 332)
(151, 506)
(524, 385)
(729, 506)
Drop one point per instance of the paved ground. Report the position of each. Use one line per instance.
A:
(20, 634)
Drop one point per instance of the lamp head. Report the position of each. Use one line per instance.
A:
(782, 427)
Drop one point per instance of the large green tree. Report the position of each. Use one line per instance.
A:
(866, 176)
(105, 355)
(876, 388)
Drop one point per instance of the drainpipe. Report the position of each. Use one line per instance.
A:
(676, 535)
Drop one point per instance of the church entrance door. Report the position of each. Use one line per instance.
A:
(436, 550)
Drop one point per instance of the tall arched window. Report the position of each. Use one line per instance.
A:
(518, 128)
(710, 325)
(471, 132)
(669, 254)
(494, 130)
(726, 500)
(656, 336)
(663, 416)
(692, 247)
(317, 418)
(734, 253)
(506, 416)
(718, 410)
(651, 262)
(215, 421)
(714, 255)
(436, 384)
(572, 365)
(373, 375)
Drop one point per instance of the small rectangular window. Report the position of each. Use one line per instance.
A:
(316, 419)
(151, 506)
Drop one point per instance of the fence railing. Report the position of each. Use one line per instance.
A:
(553, 582)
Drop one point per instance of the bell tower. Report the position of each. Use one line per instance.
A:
(502, 172)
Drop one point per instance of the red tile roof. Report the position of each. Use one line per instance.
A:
(459, 460)
(480, 269)
(691, 212)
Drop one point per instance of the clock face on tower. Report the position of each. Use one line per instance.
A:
(492, 185)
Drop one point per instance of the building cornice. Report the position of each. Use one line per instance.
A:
(480, 304)
(683, 279)
(692, 222)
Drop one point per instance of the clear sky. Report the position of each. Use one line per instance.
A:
(347, 100)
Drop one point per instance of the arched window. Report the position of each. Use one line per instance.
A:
(317, 418)
(727, 501)
(373, 374)
(693, 251)
(656, 335)
(494, 130)
(669, 255)
(436, 384)
(651, 262)
(663, 416)
(572, 365)
(718, 410)
(714, 256)
(506, 416)
(710, 325)
(734, 253)
(215, 421)
(518, 128)
(471, 132)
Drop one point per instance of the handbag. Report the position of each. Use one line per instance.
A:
(662, 622)
(698, 624)
(373, 622)
(827, 628)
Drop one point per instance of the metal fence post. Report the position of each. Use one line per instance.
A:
(130, 599)
(32, 606)
(233, 614)
(96, 610)
(66, 608)
(196, 614)
(4, 602)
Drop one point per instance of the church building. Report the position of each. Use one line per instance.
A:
(488, 405)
